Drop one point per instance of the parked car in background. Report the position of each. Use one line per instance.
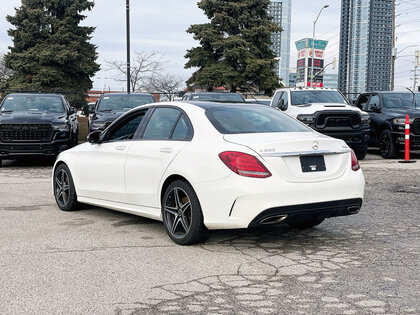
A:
(387, 111)
(111, 106)
(208, 165)
(36, 124)
(214, 97)
(261, 101)
(327, 111)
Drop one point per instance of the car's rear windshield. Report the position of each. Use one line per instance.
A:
(397, 100)
(123, 102)
(314, 96)
(252, 119)
(218, 97)
(33, 103)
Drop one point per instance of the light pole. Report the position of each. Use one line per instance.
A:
(102, 78)
(395, 53)
(313, 44)
(279, 60)
(128, 44)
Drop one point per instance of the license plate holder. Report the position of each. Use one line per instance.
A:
(312, 163)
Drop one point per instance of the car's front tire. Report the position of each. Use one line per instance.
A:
(305, 224)
(182, 215)
(64, 191)
(361, 154)
(387, 146)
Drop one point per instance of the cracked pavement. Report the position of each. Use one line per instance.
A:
(104, 262)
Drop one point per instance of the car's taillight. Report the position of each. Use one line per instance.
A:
(244, 164)
(354, 162)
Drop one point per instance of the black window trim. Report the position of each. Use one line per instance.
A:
(140, 135)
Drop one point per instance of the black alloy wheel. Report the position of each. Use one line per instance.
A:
(64, 191)
(1, 162)
(182, 215)
(386, 145)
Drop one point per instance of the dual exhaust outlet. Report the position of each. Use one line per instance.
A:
(280, 217)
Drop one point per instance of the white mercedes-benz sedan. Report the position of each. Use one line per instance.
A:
(204, 165)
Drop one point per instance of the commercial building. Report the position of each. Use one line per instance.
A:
(281, 11)
(305, 59)
(365, 46)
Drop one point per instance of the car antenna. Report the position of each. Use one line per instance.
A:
(414, 98)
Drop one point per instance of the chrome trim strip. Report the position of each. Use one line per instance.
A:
(302, 153)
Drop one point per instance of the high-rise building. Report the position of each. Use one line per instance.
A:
(281, 11)
(365, 46)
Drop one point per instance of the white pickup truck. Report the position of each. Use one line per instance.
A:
(328, 112)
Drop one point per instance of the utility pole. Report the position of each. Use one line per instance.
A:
(394, 49)
(128, 45)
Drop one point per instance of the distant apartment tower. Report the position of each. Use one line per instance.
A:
(365, 46)
(281, 11)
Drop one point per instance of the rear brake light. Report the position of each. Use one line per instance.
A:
(244, 164)
(354, 162)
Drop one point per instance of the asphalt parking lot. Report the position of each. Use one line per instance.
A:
(99, 261)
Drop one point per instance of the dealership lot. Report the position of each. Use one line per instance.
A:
(101, 261)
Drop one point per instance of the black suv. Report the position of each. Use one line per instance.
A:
(214, 97)
(387, 111)
(36, 124)
(111, 106)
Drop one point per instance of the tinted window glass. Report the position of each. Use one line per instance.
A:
(123, 102)
(396, 100)
(374, 100)
(182, 130)
(230, 120)
(161, 124)
(314, 96)
(33, 103)
(126, 129)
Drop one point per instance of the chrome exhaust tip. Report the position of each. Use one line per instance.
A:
(273, 219)
(353, 210)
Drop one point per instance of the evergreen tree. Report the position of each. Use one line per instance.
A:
(51, 51)
(234, 47)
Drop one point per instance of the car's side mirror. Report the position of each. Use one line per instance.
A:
(91, 109)
(94, 137)
(375, 108)
(281, 105)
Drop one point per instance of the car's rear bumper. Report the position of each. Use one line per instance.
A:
(236, 201)
(308, 212)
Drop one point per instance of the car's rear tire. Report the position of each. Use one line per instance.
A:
(387, 147)
(1, 162)
(182, 215)
(361, 154)
(64, 191)
(305, 224)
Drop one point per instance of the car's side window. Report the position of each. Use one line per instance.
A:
(161, 124)
(362, 101)
(374, 100)
(285, 98)
(183, 130)
(126, 129)
(276, 99)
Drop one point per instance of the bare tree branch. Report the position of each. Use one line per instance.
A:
(4, 71)
(143, 66)
(167, 84)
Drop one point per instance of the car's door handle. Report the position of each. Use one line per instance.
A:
(120, 148)
(166, 150)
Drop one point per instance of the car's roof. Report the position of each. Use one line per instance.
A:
(306, 89)
(126, 94)
(34, 94)
(207, 93)
(389, 92)
(208, 104)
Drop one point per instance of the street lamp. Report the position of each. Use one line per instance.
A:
(313, 44)
(127, 6)
(279, 60)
